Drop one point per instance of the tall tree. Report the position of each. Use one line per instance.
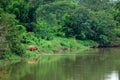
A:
(13, 32)
(117, 16)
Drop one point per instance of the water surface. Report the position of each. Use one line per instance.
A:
(96, 64)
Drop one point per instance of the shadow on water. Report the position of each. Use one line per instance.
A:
(96, 64)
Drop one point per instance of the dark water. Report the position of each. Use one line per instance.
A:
(96, 64)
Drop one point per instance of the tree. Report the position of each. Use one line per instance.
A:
(20, 9)
(4, 3)
(117, 15)
(83, 23)
(77, 23)
(49, 17)
(24, 11)
(13, 32)
(97, 5)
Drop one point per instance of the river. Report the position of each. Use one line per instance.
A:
(95, 64)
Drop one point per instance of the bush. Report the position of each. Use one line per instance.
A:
(84, 24)
(13, 32)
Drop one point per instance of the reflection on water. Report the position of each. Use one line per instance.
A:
(99, 64)
(114, 75)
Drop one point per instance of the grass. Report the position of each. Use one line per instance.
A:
(57, 43)
(48, 46)
(72, 45)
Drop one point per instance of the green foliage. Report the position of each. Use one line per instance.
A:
(76, 23)
(85, 24)
(88, 43)
(56, 43)
(49, 17)
(53, 24)
(4, 3)
(97, 5)
(20, 9)
(117, 31)
(117, 6)
(117, 15)
(15, 39)
(104, 24)
(24, 13)
(12, 32)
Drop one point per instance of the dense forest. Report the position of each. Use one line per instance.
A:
(56, 24)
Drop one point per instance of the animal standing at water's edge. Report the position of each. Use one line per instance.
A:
(56, 51)
(32, 48)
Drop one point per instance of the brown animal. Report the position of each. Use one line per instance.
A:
(65, 49)
(56, 51)
(32, 48)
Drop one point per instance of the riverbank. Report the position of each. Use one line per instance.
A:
(65, 64)
(114, 43)
(56, 46)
